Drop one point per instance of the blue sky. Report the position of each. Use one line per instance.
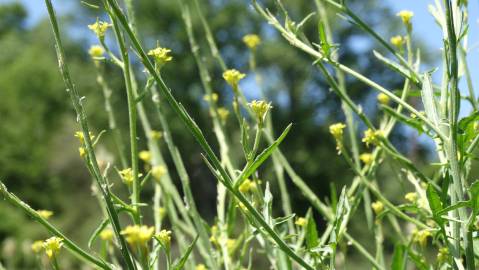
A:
(424, 26)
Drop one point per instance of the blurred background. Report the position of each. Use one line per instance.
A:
(39, 159)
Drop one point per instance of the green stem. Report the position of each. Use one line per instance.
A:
(132, 118)
(197, 133)
(81, 116)
(69, 244)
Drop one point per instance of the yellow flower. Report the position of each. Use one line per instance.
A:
(372, 137)
(161, 55)
(213, 97)
(82, 151)
(52, 246)
(156, 135)
(397, 41)
(96, 51)
(158, 172)
(383, 99)
(201, 267)
(99, 28)
(366, 158)
(106, 235)
(406, 16)
(223, 113)
(165, 237)
(377, 207)
(145, 156)
(213, 240)
(81, 138)
(246, 186)
(442, 254)
(127, 175)
(252, 41)
(138, 234)
(232, 77)
(37, 246)
(46, 214)
(301, 221)
(260, 109)
(337, 131)
(411, 197)
(162, 212)
(421, 236)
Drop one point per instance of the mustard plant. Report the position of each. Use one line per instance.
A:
(440, 210)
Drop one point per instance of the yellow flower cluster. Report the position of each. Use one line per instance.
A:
(37, 246)
(158, 172)
(161, 55)
(99, 28)
(46, 214)
(301, 221)
(411, 197)
(252, 41)
(232, 77)
(397, 41)
(421, 237)
(52, 246)
(213, 97)
(162, 212)
(164, 236)
(337, 131)
(81, 138)
(377, 207)
(247, 186)
(127, 176)
(442, 255)
(405, 16)
(138, 234)
(201, 267)
(372, 137)
(96, 51)
(156, 135)
(106, 235)
(260, 108)
(366, 158)
(145, 156)
(223, 113)
(82, 151)
(383, 99)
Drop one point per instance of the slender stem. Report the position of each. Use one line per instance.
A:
(81, 116)
(132, 118)
(197, 133)
(457, 192)
(15, 201)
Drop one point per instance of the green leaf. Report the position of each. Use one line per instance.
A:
(97, 231)
(312, 239)
(395, 66)
(474, 190)
(467, 132)
(251, 168)
(181, 263)
(325, 47)
(398, 260)
(429, 101)
(434, 203)
(454, 207)
(412, 122)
